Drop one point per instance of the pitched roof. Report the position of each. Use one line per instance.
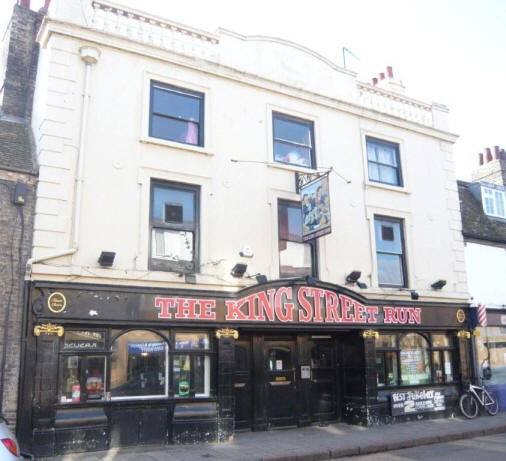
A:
(15, 147)
(475, 223)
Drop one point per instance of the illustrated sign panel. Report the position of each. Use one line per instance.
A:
(419, 401)
(315, 203)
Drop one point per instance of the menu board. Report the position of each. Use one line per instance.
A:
(417, 401)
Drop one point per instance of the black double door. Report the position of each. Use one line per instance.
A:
(273, 389)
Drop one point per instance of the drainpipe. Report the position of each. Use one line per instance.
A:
(90, 56)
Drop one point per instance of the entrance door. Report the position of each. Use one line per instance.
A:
(323, 389)
(281, 386)
(243, 384)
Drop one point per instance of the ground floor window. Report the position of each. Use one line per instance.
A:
(492, 352)
(412, 359)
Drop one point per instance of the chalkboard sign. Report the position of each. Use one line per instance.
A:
(417, 401)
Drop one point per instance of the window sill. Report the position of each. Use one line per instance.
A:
(294, 168)
(378, 185)
(175, 145)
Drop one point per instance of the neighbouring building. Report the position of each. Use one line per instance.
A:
(231, 232)
(18, 178)
(483, 205)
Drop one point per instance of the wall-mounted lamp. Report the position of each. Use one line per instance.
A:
(238, 270)
(106, 258)
(310, 280)
(439, 284)
(261, 278)
(353, 277)
(414, 295)
(362, 285)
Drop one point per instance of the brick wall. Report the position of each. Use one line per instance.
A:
(12, 239)
(22, 60)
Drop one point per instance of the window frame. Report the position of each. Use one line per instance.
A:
(404, 267)
(290, 118)
(431, 349)
(485, 190)
(183, 267)
(210, 353)
(398, 168)
(182, 91)
(312, 243)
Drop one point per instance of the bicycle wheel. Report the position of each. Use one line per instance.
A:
(468, 405)
(491, 404)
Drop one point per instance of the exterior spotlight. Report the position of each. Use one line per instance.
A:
(439, 284)
(261, 278)
(310, 280)
(238, 270)
(362, 285)
(353, 277)
(414, 295)
(106, 258)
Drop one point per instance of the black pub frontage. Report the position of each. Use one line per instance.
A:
(108, 366)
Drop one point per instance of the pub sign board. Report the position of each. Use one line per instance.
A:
(417, 401)
(315, 205)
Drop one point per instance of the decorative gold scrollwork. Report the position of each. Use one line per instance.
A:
(463, 334)
(227, 333)
(48, 329)
(370, 334)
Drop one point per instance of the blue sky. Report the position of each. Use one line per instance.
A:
(449, 51)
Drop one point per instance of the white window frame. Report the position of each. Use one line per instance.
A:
(494, 196)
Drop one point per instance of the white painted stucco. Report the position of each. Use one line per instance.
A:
(244, 80)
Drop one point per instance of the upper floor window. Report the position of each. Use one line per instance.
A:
(383, 162)
(296, 259)
(174, 227)
(493, 202)
(176, 114)
(390, 252)
(293, 141)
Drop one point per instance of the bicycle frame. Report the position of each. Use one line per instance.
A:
(480, 393)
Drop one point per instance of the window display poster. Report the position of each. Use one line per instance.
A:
(418, 401)
(414, 366)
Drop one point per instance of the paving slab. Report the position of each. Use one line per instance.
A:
(311, 443)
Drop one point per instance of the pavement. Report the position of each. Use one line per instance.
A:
(309, 443)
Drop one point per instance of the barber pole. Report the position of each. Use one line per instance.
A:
(482, 315)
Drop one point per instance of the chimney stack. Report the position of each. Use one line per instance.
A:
(24, 3)
(488, 154)
(375, 81)
(390, 72)
(492, 166)
(382, 76)
(480, 158)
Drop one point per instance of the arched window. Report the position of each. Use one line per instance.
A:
(415, 364)
(139, 365)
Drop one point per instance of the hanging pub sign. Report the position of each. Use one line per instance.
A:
(315, 204)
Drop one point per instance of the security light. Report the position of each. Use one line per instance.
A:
(414, 295)
(238, 270)
(106, 258)
(310, 280)
(362, 285)
(261, 278)
(353, 277)
(439, 284)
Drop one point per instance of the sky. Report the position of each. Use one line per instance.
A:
(447, 51)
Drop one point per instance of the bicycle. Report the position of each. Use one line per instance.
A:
(470, 400)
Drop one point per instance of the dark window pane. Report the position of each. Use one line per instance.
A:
(202, 375)
(280, 358)
(192, 341)
(390, 270)
(139, 365)
(380, 369)
(174, 130)
(241, 359)
(293, 154)
(176, 104)
(70, 387)
(292, 131)
(321, 356)
(388, 244)
(440, 341)
(164, 198)
(385, 341)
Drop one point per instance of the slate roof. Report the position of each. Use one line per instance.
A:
(475, 223)
(15, 147)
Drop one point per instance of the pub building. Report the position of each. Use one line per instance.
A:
(108, 366)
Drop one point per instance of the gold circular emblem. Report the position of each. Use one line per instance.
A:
(461, 316)
(56, 302)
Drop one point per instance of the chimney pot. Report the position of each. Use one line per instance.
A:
(24, 4)
(375, 80)
(382, 76)
(488, 154)
(497, 154)
(390, 72)
(480, 158)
